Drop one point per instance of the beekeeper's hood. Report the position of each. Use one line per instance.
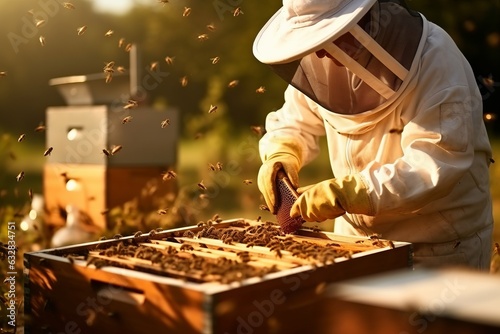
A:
(375, 62)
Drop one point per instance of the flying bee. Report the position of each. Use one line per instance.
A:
(186, 12)
(169, 175)
(215, 60)
(165, 123)
(169, 60)
(30, 193)
(237, 11)
(211, 167)
(153, 66)
(106, 152)
(108, 67)
(21, 137)
(233, 83)
(39, 23)
(184, 81)
(247, 182)
(203, 37)
(164, 2)
(260, 90)
(68, 5)
(20, 176)
(40, 128)
(121, 69)
(109, 33)
(161, 212)
(212, 109)
(81, 30)
(3, 73)
(128, 47)
(42, 40)
(127, 119)
(116, 149)
(264, 207)
(211, 27)
(201, 185)
(48, 151)
(131, 104)
(258, 130)
(121, 42)
(219, 165)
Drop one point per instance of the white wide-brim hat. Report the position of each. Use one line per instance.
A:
(302, 26)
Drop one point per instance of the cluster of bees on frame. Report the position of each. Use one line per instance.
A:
(183, 254)
(110, 68)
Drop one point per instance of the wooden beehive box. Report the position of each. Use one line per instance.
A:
(97, 288)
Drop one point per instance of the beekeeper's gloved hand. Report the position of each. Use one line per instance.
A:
(332, 198)
(280, 154)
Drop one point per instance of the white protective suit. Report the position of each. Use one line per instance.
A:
(423, 152)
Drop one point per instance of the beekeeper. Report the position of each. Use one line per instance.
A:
(402, 115)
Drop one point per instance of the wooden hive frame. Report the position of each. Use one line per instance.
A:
(64, 293)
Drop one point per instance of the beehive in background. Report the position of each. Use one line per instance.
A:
(104, 153)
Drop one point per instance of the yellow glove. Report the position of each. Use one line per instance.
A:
(332, 198)
(284, 155)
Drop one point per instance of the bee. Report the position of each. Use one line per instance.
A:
(39, 23)
(203, 37)
(128, 47)
(109, 33)
(212, 109)
(30, 193)
(121, 69)
(374, 237)
(228, 240)
(81, 30)
(398, 131)
(211, 167)
(233, 83)
(184, 81)
(264, 207)
(153, 66)
(117, 236)
(127, 119)
(42, 40)
(131, 104)
(106, 152)
(488, 82)
(497, 248)
(219, 166)
(260, 90)
(391, 244)
(211, 27)
(116, 149)
(169, 175)
(48, 151)
(164, 2)
(121, 42)
(165, 123)
(21, 137)
(108, 67)
(237, 11)
(215, 60)
(259, 218)
(186, 247)
(102, 238)
(169, 60)
(186, 12)
(20, 176)
(161, 212)
(3, 73)
(247, 181)
(201, 185)
(68, 5)
(258, 130)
